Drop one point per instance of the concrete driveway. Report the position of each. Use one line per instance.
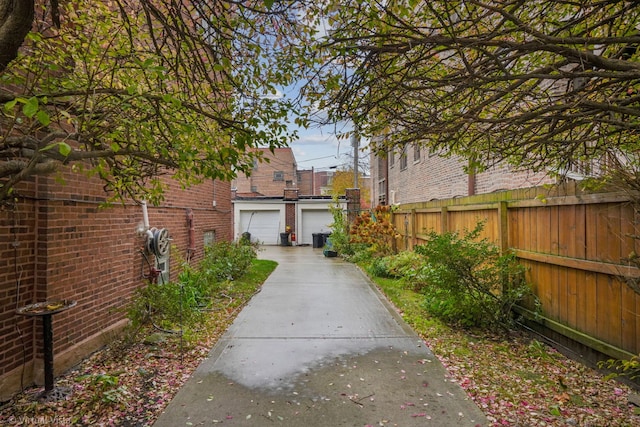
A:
(319, 346)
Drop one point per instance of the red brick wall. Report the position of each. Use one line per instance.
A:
(262, 177)
(17, 283)
(69, 247)
(305, 182)
(290, 215)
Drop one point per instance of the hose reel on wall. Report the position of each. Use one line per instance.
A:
(158, 243)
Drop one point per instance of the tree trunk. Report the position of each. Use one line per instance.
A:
(16, 18)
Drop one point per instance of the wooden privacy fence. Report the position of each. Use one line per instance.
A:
(576, 248)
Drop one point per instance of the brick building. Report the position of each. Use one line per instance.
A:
(277, 197)
(58, 242)
(312, 182)
(269, 177)
(416, 175)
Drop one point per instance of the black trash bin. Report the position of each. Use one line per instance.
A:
(325, 237)
(317, 240)
(284, 239)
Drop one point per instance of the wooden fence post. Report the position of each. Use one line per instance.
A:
(414, 236)
(444, 220)
(503, 230)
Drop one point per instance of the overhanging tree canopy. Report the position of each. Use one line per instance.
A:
(128, 90)
(541, 84)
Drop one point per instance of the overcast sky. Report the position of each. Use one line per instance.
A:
(320, 148)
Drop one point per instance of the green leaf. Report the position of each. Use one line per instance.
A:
(8, 106)
(64, 148)
(30, 108)
(43, 117)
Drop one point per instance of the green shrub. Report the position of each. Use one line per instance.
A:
(405, 264)
(467, 280)
(179, 304)
(629, 368)
(340, 230)
(359, 254)
(378, 267)
(225, 261)
(166, 306)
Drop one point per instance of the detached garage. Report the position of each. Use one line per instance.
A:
(311, 220)
(264, 218)
(263, 225)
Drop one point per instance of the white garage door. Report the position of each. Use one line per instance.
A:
(314, 221)
(264, 226)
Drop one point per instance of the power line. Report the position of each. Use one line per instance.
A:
(317, 158)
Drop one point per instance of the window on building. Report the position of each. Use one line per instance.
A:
(381, 164)
(278, 176)
(209, 237)
(403, 158)
(392, 158)
(254, 189)
(382, 192)
(416, 153)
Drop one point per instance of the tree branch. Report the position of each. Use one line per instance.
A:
(16, 18)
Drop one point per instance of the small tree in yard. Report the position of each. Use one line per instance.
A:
(128, 90)
(343, 179)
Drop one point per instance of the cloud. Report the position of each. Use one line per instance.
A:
(317, 139)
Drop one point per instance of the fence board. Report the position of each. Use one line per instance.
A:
(587, 305)
(543, 225)
(573, 246)
(628, 229)
(513, 227)
(554, 229)
(572, 297)
(531, 231)
(555, 307)
(611, 236)
(591, 238)
(566, 230)
(630, 319)
(581, 232)
(608, 310)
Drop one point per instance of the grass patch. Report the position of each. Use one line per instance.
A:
(257, 274)
(409, 305)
